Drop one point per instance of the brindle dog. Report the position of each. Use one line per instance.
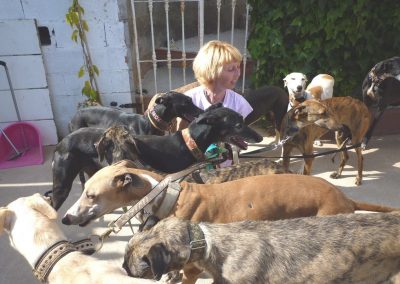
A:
(352, 248)
(312, 118)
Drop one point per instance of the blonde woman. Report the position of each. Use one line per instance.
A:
(217, 69)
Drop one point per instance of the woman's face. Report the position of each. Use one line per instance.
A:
(229, 75)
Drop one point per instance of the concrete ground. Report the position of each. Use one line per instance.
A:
(380, 185)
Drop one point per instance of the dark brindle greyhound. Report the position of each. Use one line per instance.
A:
(346, 248)
(175, 152)
(155, 121)
(380, 89)
(76, 153)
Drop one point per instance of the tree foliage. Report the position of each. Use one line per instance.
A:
(342, 38)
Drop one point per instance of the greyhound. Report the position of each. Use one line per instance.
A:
(380, 89)
(156, 121)
(346, 248)
(175, 152)
(33, 231)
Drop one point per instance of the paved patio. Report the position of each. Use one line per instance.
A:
(380, 185)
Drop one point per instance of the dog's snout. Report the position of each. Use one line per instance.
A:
(66, 220)
(299, 88)
(126, 267)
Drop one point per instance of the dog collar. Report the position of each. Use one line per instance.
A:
(191, 145)
(50, 257)
(157, 122)
(198, 244)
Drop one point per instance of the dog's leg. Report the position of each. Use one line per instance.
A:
(308, 150)
(340, 138)
(190, 274)
(360, 160)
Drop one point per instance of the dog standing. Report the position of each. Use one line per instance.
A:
(381, 88)
(347, 116)
(266, 197)
(320, 88)
(352, 248)
(30, 223)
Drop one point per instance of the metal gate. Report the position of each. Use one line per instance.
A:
(168, 33)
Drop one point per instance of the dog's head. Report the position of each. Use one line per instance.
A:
(161, 249)
(108, 189)
(307, 113)
(378, 79)
(222, 124)
(296, 84)
(115, 145)
(30, 223)
(177, 105)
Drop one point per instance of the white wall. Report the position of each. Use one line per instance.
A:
(63, 58)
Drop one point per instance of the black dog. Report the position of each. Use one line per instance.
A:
(76, 153)
(175, 152)
(380, 89)
(155, 121)
(267, 99)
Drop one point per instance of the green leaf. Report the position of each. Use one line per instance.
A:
(75, 35)
(96, 70)
(81, 72)
(85, 26)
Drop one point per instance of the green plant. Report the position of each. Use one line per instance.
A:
(341, 38)
(74, 18)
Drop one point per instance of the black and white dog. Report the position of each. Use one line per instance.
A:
(380, 89)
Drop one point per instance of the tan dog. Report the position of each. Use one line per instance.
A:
(304, 123)
(30, 222)
(351, 248)
(268, 197)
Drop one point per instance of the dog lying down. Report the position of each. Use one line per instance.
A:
(30, 223)
(345, 248)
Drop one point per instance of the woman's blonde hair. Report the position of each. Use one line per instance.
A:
(211, 58)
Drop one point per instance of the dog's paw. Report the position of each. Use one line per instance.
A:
(335, 175)
(171, 277)
(318, 143)
(358, 181)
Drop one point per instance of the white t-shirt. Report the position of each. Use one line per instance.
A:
(232, 100)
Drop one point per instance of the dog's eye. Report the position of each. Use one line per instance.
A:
(238, 125)
(90, 196)
(146, 260)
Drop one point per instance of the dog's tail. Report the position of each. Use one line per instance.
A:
(373, 207)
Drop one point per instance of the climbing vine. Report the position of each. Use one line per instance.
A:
(80, 27)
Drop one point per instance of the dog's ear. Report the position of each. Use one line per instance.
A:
(104, 149)
(100, 147)
(158, 258)
(4, 214)
(163, 99)
(132, 179)
(150, 222)
(40, 204)
(285, 82)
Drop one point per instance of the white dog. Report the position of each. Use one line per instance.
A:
(30, 222)
(320, 88)
(296, 85)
